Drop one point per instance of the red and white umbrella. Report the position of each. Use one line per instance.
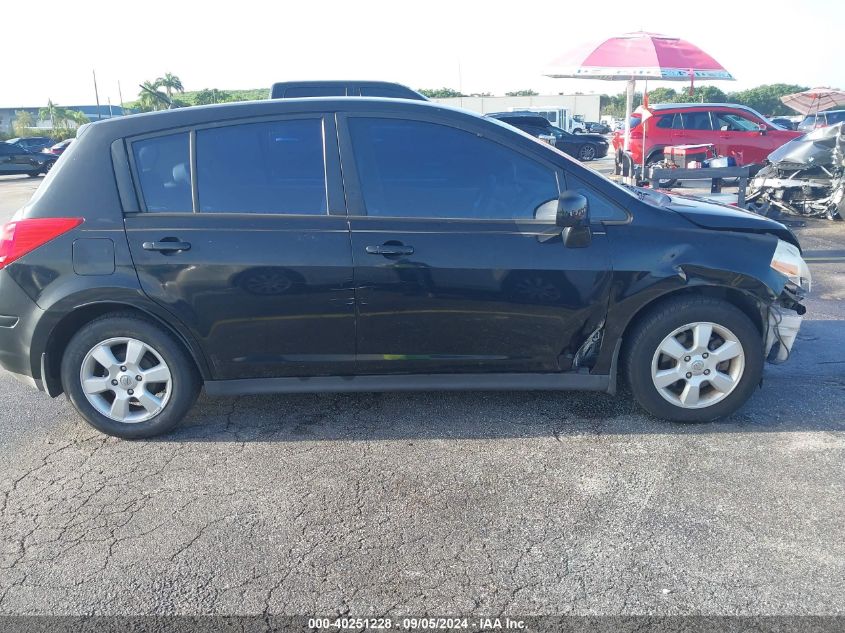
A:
(635, 56)
(815, 100)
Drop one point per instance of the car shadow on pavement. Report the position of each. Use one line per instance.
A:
(805, 394)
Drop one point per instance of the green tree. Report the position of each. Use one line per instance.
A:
(22, 121)
(440, 93)
(662, 95)
(151, 98)
(51, 112)
(211, 95)
(522, 93)
(76, 117)
(766, 98)
(170, 82)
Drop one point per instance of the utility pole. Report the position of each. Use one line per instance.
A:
(120, 94)
(96, 94)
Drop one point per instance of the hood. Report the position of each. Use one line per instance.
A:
(815, 148)
(721, 217)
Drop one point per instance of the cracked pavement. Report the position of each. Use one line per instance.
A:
(440, 503)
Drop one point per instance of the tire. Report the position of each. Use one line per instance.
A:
(586, 153)
(143, 411)
(656, 157)
(645, 365)
(34, 174)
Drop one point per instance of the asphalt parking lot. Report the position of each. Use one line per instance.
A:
(439, 503)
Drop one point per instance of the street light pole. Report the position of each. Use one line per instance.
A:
(96, 93)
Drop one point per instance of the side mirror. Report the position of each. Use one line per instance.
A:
(573, 216)
(572, 210)
(763, 129)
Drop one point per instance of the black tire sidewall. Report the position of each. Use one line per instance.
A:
(651, 331)
(184, 385)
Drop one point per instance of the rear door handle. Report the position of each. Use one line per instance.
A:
(390, 249)
(167, 246)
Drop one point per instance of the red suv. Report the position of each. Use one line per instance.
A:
(735, 130)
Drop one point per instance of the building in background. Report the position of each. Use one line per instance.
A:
(7, 115)
(586, 106)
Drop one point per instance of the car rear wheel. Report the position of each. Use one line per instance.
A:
(128, 377)
(586, 153)
(694, 359)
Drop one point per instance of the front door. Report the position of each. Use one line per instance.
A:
(740, 137)
(453, 272)
(244, 249)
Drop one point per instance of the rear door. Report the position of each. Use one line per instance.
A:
(243, 237)
(697, 128)
(454, 271)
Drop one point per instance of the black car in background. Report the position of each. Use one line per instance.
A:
(584, 147)
(783, 122)
(349, 88)
(597, 127)
(32, 143)
(15, 160)
(317, 245)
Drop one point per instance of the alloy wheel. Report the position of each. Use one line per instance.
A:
(698, 365)
(126, 380)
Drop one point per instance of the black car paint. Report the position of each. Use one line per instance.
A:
(565, 141)
(16, 160)
(460, 289)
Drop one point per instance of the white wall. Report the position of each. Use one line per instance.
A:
(586, 105)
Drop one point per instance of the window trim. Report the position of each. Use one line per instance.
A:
(356, 207)
(335, 199)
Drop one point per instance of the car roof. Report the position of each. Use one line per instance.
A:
(281, 86)
(149, 122)
(826, 112)
(686, 106)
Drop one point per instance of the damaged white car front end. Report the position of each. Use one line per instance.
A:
(786, 315)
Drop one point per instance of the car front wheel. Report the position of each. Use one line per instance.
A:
(586, 153)
(694, 359)
(128, 377)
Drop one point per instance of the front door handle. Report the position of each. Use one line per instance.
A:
(390, 250)
(167, 246)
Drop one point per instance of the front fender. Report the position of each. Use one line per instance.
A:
(651, 264)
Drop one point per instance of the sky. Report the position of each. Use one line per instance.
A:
(467, 45)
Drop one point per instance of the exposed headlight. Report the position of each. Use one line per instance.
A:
(787, 260)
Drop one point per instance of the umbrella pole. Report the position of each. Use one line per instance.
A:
(645, 126)
(629, 106)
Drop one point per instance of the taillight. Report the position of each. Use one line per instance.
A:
(23, 236)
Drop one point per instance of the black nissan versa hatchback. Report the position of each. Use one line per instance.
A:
(358, 244)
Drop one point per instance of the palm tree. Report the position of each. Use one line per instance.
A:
(170, 82)
(51, 112)
(151, 98)
(77, 117)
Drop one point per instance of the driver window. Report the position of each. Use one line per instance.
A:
(730, 122)
(425, 170)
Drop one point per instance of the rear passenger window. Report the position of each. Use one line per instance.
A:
(162, 164)
(270, 167)
(697, 121)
